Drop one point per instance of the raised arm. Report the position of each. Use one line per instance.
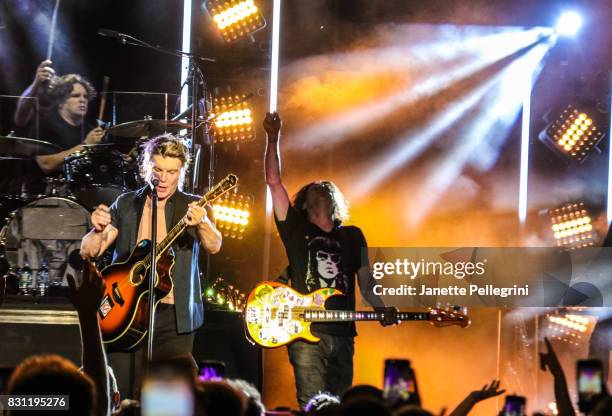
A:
(280, 199)
(101, 236)
(550, 362)
(25, 105)
(86, 300)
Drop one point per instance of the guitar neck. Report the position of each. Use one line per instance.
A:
(225, 185)
(350, 316)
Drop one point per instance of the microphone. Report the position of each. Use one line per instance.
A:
(153, 183)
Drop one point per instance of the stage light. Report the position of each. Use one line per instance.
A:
(235, 18)
(573, 134)
(568, 24)
(232, 213)
(222, 295)
(571, 226)
(568, 325)
(233, 119)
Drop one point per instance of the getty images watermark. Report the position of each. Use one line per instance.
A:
(476, 276)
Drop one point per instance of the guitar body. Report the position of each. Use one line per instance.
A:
(124, 311)
(274, 313)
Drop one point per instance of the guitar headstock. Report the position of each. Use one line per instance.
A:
(456, 315)
(227, 183)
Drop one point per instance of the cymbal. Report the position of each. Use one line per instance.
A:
(146, 128)
(21, 147)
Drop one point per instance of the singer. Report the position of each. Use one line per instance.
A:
(128, 221)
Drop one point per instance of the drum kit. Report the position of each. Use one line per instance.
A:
(47, 216)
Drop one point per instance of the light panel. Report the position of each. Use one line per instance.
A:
(574, 134)
(235, 19)
(571, 226)
(232, 214)
(568, 326)
(233, 119)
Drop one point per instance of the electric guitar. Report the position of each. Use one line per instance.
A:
(276, 315)
(124, 310)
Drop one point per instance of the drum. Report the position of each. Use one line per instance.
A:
(38, 240)
(97, 175)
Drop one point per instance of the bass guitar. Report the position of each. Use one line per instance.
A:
(124, 310)
(277, 315)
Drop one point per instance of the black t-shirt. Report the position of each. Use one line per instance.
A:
(54, 129)
(319, 259)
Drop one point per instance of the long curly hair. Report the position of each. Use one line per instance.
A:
(340, 206)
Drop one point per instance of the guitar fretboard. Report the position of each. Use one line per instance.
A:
(348, 316)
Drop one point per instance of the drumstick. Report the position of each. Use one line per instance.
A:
(52, 30)
(103, 97)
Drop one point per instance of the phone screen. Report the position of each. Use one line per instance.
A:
(590, 379)
(514, 406)
(400, 383)
(167, 397)
(211, 370)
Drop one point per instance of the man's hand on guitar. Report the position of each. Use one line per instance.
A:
(101, 218)
(389, 315)
(195, 215)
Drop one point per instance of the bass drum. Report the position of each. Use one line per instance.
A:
(38, 240)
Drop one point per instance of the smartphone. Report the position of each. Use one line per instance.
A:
(590, 383)
(400, 385)
(211, 370)
(166, 397)
(514, 406)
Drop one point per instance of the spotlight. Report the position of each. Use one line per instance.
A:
(235, 18)
(568, 24)
(233, 119)
(569, 326)
(574, 134)
(232, 212)
(571, 226)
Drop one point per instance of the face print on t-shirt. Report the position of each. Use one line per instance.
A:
(325, 264)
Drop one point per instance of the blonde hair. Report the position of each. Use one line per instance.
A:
(166, 145)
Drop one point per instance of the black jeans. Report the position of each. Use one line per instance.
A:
(325, 366)
(166, 343)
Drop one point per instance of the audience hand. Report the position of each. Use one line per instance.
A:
(549, 360)
(87, 297)
(487, 391)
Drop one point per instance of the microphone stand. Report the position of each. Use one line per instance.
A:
(194, 74)
(152, 270)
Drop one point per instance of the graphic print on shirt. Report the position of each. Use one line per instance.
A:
(325, 265)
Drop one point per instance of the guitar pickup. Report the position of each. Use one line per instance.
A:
(117, 295)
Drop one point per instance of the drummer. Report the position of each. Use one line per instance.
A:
(63, 123)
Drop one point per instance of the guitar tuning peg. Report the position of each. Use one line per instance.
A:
(448, 307)
(464, 310)
(438, 305)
